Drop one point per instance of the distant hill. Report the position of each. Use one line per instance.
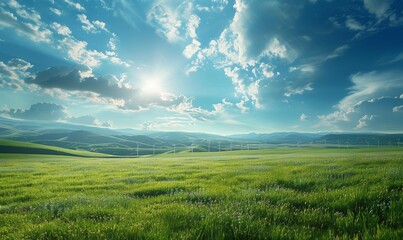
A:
(10, 146)
(135, 142)
(362, 138)
(278, 137)
(185, 137)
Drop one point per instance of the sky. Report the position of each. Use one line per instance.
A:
(214, 66)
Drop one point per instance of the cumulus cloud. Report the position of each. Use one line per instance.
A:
(191, 48)
(112, 42)
(166, 122)
(14, 72)
(214, 6)
(88, 120)
(25, 12)
(398, 108)
(55, 11)
(40, 111)
(91, 26)
(33, 28)
(247, 46)
(220, 107)
(61, 29)
(167, 19)
(78, 52)
(354, 25)
(192, 25)
(377, 7)
(52, 112)
(101, 89)
(247, 91)
(298, 90)
(269, 40)
(77, 6)
(303, 117)
(363, 122)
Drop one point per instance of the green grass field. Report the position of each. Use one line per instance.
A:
(266, 194)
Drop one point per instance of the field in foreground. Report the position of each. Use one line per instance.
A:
(276, 194)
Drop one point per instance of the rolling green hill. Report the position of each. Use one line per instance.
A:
(10, 146)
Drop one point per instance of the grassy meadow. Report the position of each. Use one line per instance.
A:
(259, 194)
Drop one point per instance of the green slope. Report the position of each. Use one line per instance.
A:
(10, 146)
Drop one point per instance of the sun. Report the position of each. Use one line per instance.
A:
(151, 86)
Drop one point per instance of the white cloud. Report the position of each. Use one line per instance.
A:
(306, 68)
(354, 24)
(88, 120)
(368, 97)
(398, 108)
(298, 91)
(110, 90)
(185, 108)
(247, 92)
(77, 51)
(167, 19)
(166, 123)
(241, 105)
(192, 25)
(56, 11)
(112, 43)
(338, 52)
(303, 117)
(253, 92)
(14, 72)
(378, 7)
(266, 70)
(119, 61)
(87, 25)
(35, 32)
(191, 49)
(214, 6)
(25, 12)
(371, 85)
(275, 48)
(60, 29)
(100, 25)
(220, 107)
(93, 26)
(191, 69)
(77, 6)
(363, 122)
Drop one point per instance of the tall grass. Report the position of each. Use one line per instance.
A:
(271, 194)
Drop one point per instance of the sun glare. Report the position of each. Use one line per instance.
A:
(151, 86)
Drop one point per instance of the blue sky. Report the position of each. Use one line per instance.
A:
(216, 66)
